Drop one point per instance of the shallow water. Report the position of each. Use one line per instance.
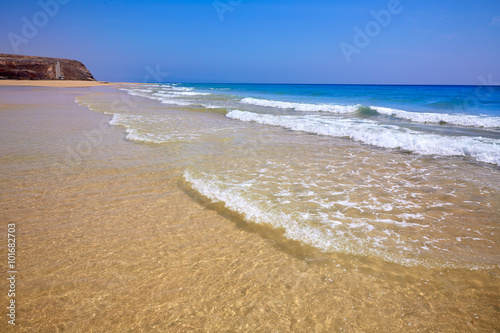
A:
(118, 235)
(331, 193)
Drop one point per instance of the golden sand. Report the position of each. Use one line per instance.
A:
(56, 83)
(112, 240)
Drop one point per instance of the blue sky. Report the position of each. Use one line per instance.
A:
(275, 41)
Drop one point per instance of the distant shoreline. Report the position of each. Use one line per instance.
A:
(58, 83)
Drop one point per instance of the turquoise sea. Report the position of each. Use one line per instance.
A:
(429, 120)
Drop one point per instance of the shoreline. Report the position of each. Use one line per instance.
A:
(59, 83)
(113, 239)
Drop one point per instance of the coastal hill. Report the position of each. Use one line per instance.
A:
(19, 67)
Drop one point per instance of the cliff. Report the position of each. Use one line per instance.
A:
(18, 67)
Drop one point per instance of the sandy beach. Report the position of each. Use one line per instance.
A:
(111, 238)
(54, 83)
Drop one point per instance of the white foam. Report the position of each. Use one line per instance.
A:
(385, 136)
(134, 135)
(174, 102)
(139, 90)
(407, 216)
(329, 231)
(300, 106)
(168, 95)
(418, 117)
(167, 99)
(453, 119)
(213, 106)
(179, 93)
(257, 209)
(134, 124)
(136, 92)
(173, 87)
(123, 119)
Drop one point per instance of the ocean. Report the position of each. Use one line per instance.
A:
(404, 174)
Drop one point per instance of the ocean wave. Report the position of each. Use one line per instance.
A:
(301, 106)
(163, 98)
(366, 111)
(172, 101)
(125, 120)
(186, 93)
(258, 210)
(134, 135)
(175, 88)
(169, 94)
(441, 118)
(138, 90)
(328, 233)
(134, 127)
(362, 110)
(385, 136)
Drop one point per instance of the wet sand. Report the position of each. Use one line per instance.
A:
(111, 239)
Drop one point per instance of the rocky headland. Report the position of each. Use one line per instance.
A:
(20, 67)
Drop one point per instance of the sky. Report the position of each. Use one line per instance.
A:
(257, 41)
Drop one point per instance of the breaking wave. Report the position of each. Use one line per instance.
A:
(385, 136)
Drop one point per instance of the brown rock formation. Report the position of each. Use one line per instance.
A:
(18, 67)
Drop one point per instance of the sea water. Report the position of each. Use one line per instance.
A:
(403, 174)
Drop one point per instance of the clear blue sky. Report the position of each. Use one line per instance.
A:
(275, 41)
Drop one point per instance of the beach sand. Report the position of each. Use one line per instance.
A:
(55, 83)
(111, 239)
